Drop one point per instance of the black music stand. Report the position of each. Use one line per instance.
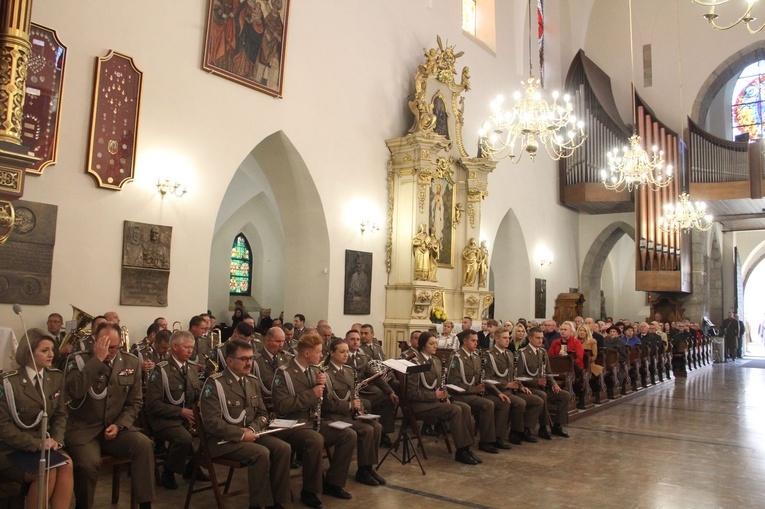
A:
(409, 451)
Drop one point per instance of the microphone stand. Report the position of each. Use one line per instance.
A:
(42, 498)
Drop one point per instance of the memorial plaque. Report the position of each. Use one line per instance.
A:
(358, 289)
(26, 258)
(145, 264)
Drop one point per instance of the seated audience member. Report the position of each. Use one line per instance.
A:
(517, 338)
(21, 409)
(629, 338)
(571, 343)
(584, 335)
(550, 333)
(447, 339)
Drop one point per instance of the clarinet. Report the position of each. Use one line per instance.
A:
(480, 372)
(444, 374)
(317, 411)
(516, 355)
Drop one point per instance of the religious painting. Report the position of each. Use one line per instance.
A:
(246, 41)
(114, 124)
(442, 197)
(358, 283)
(442, 116)
(145, 264)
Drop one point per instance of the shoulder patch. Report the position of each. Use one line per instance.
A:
(278, 379)
(9, 373)
(154, 375)
(454, 363)
(72, 363)
(216, 375)
(2, 391)
(207, 390)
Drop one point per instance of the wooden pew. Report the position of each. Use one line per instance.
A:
(679, 358)
(582, 384)
(613, 385)
(598, 383)
(563, 371)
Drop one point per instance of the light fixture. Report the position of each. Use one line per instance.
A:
(685, 216)
(745, 18)
(170, 187)
(633, 167)
(545, 262)
(531, 122)
(369, 225)
(544, 257)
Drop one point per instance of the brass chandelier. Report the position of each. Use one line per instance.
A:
(531, 122)
(685, 216)
(746, 18)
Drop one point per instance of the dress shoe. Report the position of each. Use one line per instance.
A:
(526, 436)
(429, 431)
(385, 441)
(488, 447)
(464, 456)
(543, 433)
(515, 438)
(310, 499)
(477, 459)
(201, 476)
(168, 480)
(336, 491)
(364, 477)
(378, 477)
(499, 444)
(559, 431)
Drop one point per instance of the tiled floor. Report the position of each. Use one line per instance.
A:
(697, 442)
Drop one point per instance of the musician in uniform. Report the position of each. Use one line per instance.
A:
(525, 407)
(429, 399)
(243, 331)
(171, 392)
(290, 343)
(341, 402)
(381, 397)
(151, 354)
(198, 327)
(414, 339)
(86, 344)
(535, 364)
(233, 415)
(297, 392)
(24, 395)
(268, 360)
(492, 406)
(151, 334)
(104, 389)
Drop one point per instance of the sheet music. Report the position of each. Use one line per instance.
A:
(399, 365)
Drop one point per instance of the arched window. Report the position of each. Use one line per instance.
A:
(240, 273)
(469, 16)
(748, 101)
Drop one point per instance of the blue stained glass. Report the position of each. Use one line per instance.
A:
(747, 101)
(240, 271)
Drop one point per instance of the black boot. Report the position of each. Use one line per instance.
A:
(168, 480)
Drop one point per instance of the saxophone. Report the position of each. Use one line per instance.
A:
(317, 411)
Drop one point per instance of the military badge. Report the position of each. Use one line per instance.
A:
(126, 372)
(154, 375)
(55, 394)
(277, 380)
(207, 390)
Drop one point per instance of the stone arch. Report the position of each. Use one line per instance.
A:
(730, 67)
(510, 271)
(752, 261)
(592, 269)
(260, 202)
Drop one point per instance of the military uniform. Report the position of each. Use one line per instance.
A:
(21, 405)
(84, 345)
(147, 352)
(293, 398)
(101, 395)
(378, 393)
(524, 408)
(170, 389)
(264, 367)
(337, 407)
(201, 349)
(533, 365)
(465, 372)
(228, 407)
(219, 355)
(373, 350)
(421, 391)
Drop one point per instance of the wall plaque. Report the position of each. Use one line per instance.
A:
(114, 124)
(42, 105)
(145, 264)
(358, 285)
(26, 258)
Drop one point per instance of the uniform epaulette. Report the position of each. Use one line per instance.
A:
(361, 352)
(257, 355)
(53, 370)
(9, 373)
(161, 364)
(283, 368)
(215, 375)
(251, 375)
(346, 366)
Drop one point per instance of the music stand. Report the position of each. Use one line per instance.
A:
(409, 451)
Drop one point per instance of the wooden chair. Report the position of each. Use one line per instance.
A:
(202, 458)
(159, 458)
(116, 465)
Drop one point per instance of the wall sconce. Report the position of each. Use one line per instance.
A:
(544, 257)
(545, 262)
(172, 188)
(369, 225)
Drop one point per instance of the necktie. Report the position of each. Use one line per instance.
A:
(184, 370)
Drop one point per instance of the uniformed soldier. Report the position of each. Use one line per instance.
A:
(290, 343)
(233, 415)
(297, 388)
(525, 407)
(429, 399)
(368, 344)
(24, 395)
(268, 360)
(243, 330)
(380, 394)
(414, 339)
(535, 365)
(197, 326)
(151, 334)
(86, 344)
(341, 401)
(104, 389)
(492, 406)
(171, 392)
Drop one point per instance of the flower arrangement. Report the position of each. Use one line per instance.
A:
(437, 314)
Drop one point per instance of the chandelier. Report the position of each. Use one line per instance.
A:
(745, 18)
(685, 216)
(632, 167)
(531, 122)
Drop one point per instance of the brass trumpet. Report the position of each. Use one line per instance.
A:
(177, 325)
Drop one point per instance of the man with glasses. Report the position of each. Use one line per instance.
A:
(233, 414)
(104, 389)
(550, 333)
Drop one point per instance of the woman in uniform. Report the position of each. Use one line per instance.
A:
(21, 409)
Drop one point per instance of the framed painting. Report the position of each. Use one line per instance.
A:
(246, 41)
(441, 221)
(358, 283)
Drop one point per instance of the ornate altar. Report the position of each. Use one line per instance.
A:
(435, 258)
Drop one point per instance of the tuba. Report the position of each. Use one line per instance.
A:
(177, 325)
(215, 340)
(83, 319)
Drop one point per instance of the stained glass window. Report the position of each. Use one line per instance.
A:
(748, 102)
(541, 39)
(469, 16)
(240, 272)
